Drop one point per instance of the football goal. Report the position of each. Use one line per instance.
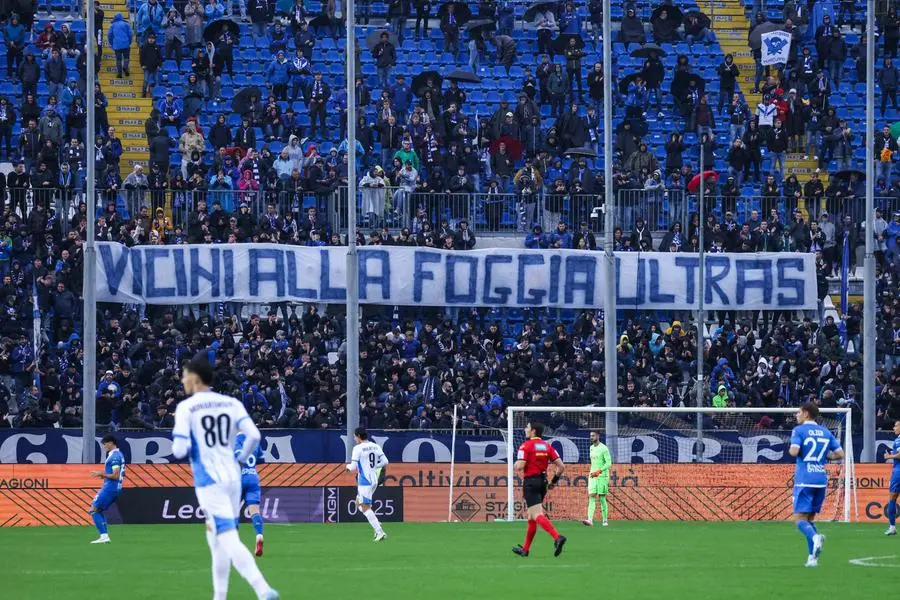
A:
(681, 463)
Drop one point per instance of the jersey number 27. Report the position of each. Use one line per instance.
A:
(815, 449)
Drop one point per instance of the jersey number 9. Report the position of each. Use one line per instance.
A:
(216, 429)
(372, 459)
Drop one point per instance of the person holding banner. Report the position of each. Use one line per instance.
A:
(775, 49)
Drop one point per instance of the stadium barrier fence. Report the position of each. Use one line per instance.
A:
(33, 495)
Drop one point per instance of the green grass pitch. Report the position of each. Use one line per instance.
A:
(634, 560)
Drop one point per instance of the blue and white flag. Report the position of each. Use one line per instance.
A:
(775, 48)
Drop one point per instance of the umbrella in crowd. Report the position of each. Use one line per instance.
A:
(626, 81)
(646, 50)
(895, 130)
(461, 10)
(674, 13)
(682, 83)
(539, 7)
(513, 146)
(241, 102)
(214, 30)
(374, 38)
(638, 126)
(562, 42)
(480, 25)
(699, 16)
(463, 77)
(320, 21)
(694, 183)
(583, 151)
(420, 81)
(847, 173)
(756, 34)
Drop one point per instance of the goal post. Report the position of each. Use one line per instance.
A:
(683, 463)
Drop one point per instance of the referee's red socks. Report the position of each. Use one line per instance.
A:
(546, 525)
(529, 534)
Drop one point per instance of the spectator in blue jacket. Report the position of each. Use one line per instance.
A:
(119, 37)
(300, 70)
(214, 11)
(401, 95)
(14, 38)
(149, 19)
(536, 240)
(277, 75)
(561, 237)
(68, 96)
(170, 110)
(721, 374)
(569, 20)
(109, 384)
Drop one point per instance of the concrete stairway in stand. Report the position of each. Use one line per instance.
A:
(731, 25)
(127, 111)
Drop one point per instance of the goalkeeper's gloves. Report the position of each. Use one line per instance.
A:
(596, 473)
(553, 482)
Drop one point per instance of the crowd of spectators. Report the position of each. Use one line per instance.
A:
(253, 183)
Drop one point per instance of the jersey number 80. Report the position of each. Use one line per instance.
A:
(216, 429)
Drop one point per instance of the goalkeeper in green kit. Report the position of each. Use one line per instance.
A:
(598, 482)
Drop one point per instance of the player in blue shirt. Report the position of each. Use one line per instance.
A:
(250, 488)
(113, 475)
(813, 446)
(890, 509)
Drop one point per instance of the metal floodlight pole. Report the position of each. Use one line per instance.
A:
(89, 337)
(701, 313)
(609, 222)
(352, 258)
(869, 301)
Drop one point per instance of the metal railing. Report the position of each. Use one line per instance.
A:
(660, 209)
(487, 214)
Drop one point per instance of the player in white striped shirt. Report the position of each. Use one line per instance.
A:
(206, 424)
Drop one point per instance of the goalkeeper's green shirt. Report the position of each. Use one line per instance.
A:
(600, 459)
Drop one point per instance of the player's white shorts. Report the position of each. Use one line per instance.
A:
(221, 503)
(365, 493)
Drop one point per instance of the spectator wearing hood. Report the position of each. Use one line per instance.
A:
(119, 37)
(29, 72)
(14, 38)
(278, 75)
(149, 19)
(720, 399)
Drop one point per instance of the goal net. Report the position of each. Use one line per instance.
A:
(683, 464)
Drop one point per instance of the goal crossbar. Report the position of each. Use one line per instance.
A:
(849, 491)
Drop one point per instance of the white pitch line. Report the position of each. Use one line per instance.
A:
(874, 561)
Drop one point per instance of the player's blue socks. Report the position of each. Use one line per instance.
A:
(257, 521)
(890, 512)
(99, 521)
(807, 529)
